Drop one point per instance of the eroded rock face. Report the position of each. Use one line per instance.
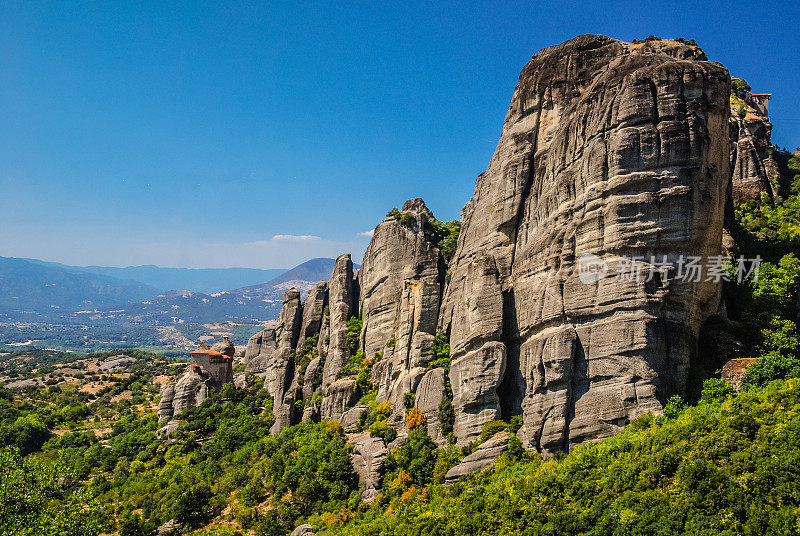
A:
(343, 303)
(401, 285)
(270, 354)
(429, 394)
(367, 459)
(260, 351)
(303, 530)
(350, 418)
(166, 396)
(190, 390)
(609, 149)
(339, 396)
(313, 310)
(485, 455)
(752, 173)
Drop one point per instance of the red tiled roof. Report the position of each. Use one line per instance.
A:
(205, 352)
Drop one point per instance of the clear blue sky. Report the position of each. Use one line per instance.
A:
(191, 134)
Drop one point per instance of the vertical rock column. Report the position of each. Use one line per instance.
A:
(609, 149)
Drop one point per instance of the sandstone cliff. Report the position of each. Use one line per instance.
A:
(753, 173)
(609, 149)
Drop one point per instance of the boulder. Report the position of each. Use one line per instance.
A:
(168, 429)
(350, 418)
(735, 370)
(483, 457)
(240, 381)
(367, 459)
(339, 396)
(303, 530)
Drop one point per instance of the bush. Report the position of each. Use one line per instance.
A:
(675, 406)
(772, 366)
(414, 418)
(739, 87)
(715, 391)
(491, 428)
(383, 430)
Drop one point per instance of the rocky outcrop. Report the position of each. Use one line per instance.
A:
(429, 394)
(609, 151)
(209, 368)
(367, 460)
(565, 302)
(166, 396)
(750, 131)
(240, 381)
(343, 304)
(190, 390)
(483, 457)
(339, 396)
(270, 354)
(260, 350)
(115, 362)
(280, 382)
(310, 378)
(168, 429)
(401, 282)
(735, 370)
(313, 310)
(303, 530)
(351, 417)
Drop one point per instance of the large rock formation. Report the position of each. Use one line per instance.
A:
(750, 131)
(565, 303)
(343, 304)
(209, 368)
(401, 282)
(369, 454)
(612, 150)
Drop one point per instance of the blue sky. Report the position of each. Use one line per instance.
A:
(263, 134)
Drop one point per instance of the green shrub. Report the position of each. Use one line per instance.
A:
(716, 390)
(674, 407)
(490, 428)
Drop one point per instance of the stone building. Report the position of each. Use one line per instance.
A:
(209, 368)
(216, 361)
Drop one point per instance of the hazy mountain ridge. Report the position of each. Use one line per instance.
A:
(30, 287)
(206, 280)
(130, 313)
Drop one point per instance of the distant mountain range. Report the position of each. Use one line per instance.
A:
(206, 280)
(255, 303)
(91, 294)
(35, 287)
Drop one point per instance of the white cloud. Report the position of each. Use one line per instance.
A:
(295, 238)
(367, 233)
